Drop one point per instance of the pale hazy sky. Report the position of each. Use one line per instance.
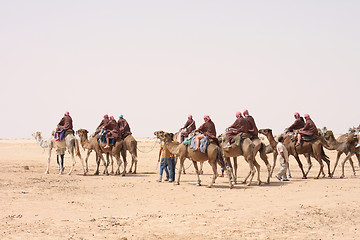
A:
(155, 62)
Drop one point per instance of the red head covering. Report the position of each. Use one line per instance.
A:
(66, 113)
(296, 115)
(246, 112)
(238, 114)
(206, 118)
(106, 116)
(190, 116)
(306, 116)
(111, 117)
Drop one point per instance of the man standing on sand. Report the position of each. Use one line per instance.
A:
(283, 157)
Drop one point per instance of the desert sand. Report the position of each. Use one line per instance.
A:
(35, 205)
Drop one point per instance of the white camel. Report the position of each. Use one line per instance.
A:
(70, 143)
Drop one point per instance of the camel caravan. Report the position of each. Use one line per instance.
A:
(114, 139)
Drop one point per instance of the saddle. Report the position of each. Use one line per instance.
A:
(101, 137)
(240, 137)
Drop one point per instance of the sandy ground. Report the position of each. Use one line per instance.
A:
(39, 206)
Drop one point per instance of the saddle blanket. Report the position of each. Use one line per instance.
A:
(204, 143)
(102, 137)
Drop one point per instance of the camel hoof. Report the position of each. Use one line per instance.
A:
(209, 186)
(243, 182)
(201, 172)
(177, 183)
(106, 173)
(259, 183)
(304, 177)
(84, 173)
(249, 184)
(96, 173)
(316, 177)
(342, 176)
(231, 186)
(46, 172)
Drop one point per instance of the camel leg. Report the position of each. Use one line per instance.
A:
(123, 154)
(73, 163)
(83, 165)
(252, 172)
(201, 172)
(235, 170)
(328, 165)
(104, 162)
(274, 163)
(308, 159)
(336, 162)
(180, 168)
(86, 161)
(215, 174)
(300, 166)
(343, 165)
(358, 156)
(263, 156)
(133, 162)
(257, 166)
(48, 161)
(110, 161)
(118, 160)
(321, 167)
(230, 169)
(352, 165)
(197, 173)
(97, 159)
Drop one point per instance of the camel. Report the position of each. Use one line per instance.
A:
(113, 151)
(69, 142)
(342, 145)
(131, 146)
(90, 144)
(212, 155)
(177, 138)
(246, 149)
(313, 148)
(259, 147)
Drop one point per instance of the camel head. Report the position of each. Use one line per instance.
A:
(82, 132)
(266, 131)
(36, 134)
(328, 134)
(159, 134)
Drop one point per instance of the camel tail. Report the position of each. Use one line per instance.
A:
(323, 154)
(77, 148)
(221, 159)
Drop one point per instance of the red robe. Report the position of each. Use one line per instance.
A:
(64, 124)
(309, 129)
(208, 129)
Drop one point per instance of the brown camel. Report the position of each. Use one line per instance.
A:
(212, 155)
(344, 144)
(313, 148)
(69, 142)
(115, 151)
(131, 146)
(245, 149)
(90, 144)
(177, 138)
